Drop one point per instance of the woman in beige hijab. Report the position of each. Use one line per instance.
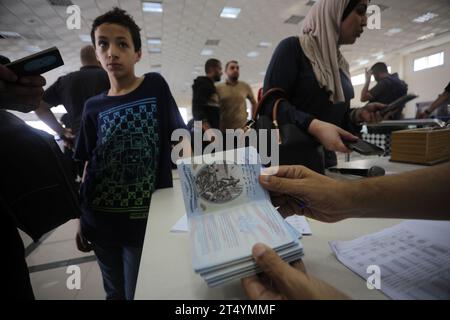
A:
(315, 76)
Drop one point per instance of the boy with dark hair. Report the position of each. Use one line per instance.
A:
(125, 140)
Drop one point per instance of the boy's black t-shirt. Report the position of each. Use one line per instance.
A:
(126, 140)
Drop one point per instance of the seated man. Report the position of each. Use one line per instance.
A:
(389, 87)
(443, 98)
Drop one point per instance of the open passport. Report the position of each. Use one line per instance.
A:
(228, 213)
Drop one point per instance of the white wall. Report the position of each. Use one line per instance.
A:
(428, 84)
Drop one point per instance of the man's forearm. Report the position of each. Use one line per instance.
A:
(444, 97)
(254, 105)
(83, 178)
(46, 115)
(365, 92)
(422, 194)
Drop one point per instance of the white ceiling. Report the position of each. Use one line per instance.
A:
(185, 26)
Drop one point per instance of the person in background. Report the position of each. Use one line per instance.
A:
(72, 91)
(47, 199)
(443, 98)
(205, 101)
(20, 95)
(389, 88)
(316, 80)
(233, 94)
(330, 200)
(125, 139)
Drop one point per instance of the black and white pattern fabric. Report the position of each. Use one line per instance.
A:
(380, 140)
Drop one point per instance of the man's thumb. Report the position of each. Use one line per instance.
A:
(271, 264)
(281, 185)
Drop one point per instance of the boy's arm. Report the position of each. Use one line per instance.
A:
(251, 98)
(204, 90)
(176, 122)
(443, 97)
(84, 172)
(87, 137)
(46, 115)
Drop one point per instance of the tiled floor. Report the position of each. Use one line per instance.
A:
(51, 282)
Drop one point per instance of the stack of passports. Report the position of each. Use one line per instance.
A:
(228, 213)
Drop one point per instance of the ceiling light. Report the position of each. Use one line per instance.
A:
(264, 44)
(10, 35)
(207, 52)
(363, 62)
(426, 37)
(85, 37)
(152, 7)
(154, 41)
(379, 55)
(393, 31)
(32, 49)
(154, 50)
(230, 13)
(426, 17)
(253, 54)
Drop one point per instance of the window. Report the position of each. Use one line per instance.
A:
(41, 126)
(428, 62)
(361, 78)
(184, 114)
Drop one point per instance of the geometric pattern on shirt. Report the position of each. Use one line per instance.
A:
(127, 159)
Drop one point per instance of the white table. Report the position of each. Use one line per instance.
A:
(166, 271)
(384, 162)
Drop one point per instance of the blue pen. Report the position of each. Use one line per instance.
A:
(299, 202)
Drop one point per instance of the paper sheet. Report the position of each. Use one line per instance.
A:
(181, 226)
(300, 224)
(413, 257)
